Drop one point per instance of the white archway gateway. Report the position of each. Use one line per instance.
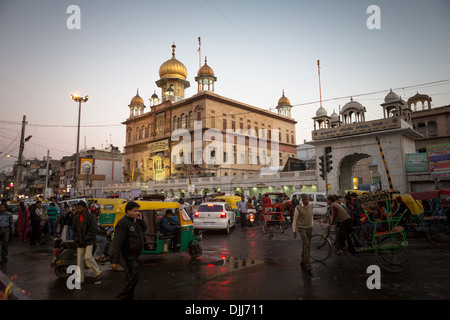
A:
(352, 142)
(346, 151)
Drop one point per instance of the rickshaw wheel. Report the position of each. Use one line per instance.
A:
(320, 248)
(392, 255)
(438, 237)
(195, 251)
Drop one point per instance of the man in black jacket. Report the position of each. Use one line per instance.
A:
(85, 228)
(129, 241)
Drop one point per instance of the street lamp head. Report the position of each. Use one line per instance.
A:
(76, 97)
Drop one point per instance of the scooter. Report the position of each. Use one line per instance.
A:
(287, 220)
(66, 255)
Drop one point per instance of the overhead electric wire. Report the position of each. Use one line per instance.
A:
(244, 112)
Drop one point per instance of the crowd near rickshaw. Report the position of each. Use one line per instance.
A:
(403, 217)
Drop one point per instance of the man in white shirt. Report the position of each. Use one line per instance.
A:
(303, 223)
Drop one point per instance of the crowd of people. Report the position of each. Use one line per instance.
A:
(39, 224)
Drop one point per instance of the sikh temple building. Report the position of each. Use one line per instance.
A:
(151, 152)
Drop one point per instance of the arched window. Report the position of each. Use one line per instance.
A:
(143, 132)
(422, 128)
(175, 123)
(129, 134)
(432, 128)
(190, 123)
(138, 133)
(183, 121)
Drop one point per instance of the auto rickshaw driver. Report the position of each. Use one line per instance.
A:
(170, 228)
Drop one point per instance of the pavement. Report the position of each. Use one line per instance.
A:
(247, 265)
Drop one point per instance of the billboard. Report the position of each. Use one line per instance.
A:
(439, 160)
(416, 162)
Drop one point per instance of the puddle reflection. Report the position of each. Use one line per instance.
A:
(222, 268)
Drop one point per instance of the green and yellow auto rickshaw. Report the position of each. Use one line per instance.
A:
(157, 243)
(108, 209)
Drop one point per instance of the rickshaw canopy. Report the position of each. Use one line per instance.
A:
(231, 200)
(109, 209)
(152, 205)
(414, 206)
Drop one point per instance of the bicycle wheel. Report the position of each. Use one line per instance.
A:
(438, 235)
(320, 248)
(392, 255)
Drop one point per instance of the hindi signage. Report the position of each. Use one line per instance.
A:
(357, 128)
(439, 160)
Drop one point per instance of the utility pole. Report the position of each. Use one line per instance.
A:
(19, 162)
(46, 173)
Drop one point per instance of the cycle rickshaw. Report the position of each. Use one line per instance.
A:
(272, 214)
(387, 237)
(433, 218)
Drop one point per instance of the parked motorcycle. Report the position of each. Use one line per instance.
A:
(66, 255)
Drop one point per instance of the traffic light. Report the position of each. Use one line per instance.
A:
(322, 168)
(328, 157)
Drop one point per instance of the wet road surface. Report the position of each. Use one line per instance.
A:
(247, 265)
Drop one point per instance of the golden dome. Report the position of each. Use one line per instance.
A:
(137, 100)
(173, 68)
(205, 70)
(284, 101)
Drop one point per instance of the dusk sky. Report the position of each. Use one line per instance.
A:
(256, 49)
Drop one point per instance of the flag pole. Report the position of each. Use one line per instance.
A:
(199, 53)
(320, 89)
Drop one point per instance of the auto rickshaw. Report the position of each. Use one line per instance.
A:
(231, 200)
(108, 210)
(157, 243)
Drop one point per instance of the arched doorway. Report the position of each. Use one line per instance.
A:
(347, 172)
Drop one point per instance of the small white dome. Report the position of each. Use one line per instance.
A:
(391, 96)
(321, 112)
(353, 105)
(334, 116)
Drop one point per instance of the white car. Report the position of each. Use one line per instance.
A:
(214, 216)
(318, 200)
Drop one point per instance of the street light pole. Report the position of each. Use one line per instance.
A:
(77, 98)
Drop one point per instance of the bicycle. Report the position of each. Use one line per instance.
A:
(390, 246)
(320, 246)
